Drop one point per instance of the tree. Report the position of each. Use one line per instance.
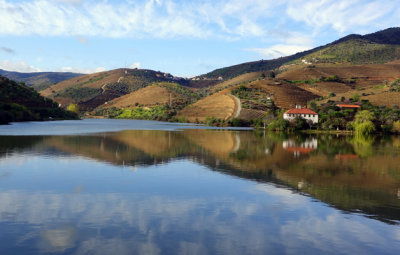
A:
(363, 124)
(396, 127)
(363, 116)
(73, 108)
(355, 97)
(272, 74)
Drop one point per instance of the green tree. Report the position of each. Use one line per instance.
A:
(355, 97)
(396, 127)
(73, 108)
(363, 124)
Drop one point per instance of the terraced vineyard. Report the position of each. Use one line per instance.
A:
(221, 106)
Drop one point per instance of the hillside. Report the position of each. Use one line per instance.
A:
(93, 90)
(221, 106)
(380, 47)
(39, 80)
(21, 103)
(163, 93)
(356, 64)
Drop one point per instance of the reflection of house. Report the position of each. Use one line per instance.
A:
(348, 106)
(303, 148)
(303, 113)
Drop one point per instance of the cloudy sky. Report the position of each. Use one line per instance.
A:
(184, 38)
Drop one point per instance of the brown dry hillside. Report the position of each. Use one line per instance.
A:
(83, 88)
(95, 80)
(284, 94)
(150, 95)
(221, 105)
(369, 82)
(93, 90)
(244, 78)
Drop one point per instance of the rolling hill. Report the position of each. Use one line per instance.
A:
(39, 80)
(21, 103)
(379, 47)
(356, 64)
(93, 90)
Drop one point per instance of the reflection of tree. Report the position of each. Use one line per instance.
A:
(367, 183)
(363, 145)
(333, 145)
(17, 143)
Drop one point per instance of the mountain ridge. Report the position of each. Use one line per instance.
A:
(39, 80)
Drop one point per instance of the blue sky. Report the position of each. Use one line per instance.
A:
(185, 38)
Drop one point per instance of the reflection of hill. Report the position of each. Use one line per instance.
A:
(368, 183)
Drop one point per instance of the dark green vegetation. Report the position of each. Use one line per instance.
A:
(21, 103)
(356, 51)
(395, 86)
(333, 78)
(78, 93)
(253, 98)
(368, 119)
(380, 47)
(158, 112)
(39, 80)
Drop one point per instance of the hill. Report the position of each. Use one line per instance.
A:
(39, 80)
(380, 47)
(21, 103)
(93, 90)
(163, 93)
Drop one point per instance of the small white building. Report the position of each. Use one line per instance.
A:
(303, 113)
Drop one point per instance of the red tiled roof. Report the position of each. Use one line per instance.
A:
(348, 106)
(300, 111)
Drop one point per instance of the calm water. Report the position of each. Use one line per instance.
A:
(159, 188)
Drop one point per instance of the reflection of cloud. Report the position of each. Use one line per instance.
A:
(151, 223)
(283, 195)
(57, 239)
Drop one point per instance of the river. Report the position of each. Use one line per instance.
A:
(144, 187)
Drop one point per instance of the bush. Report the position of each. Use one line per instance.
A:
(73, 108)
(395, 86)
(396, 127)
(278, 125)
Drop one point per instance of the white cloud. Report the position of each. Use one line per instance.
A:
(342, 15)
(135, 65)
(69, 1)
(147, 18)
(200, 19)
(18, 66)
(81, 70)
(279, 50)
(82, 40)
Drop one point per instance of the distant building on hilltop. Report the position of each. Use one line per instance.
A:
(303, 113)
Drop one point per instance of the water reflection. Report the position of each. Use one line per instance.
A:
(305, 147)
(152, 190)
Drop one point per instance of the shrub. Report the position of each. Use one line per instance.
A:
(396, 127)
(73, 108)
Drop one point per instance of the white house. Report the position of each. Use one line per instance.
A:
(303, 113)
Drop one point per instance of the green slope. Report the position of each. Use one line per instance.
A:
(21, 103)
(380, 47)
